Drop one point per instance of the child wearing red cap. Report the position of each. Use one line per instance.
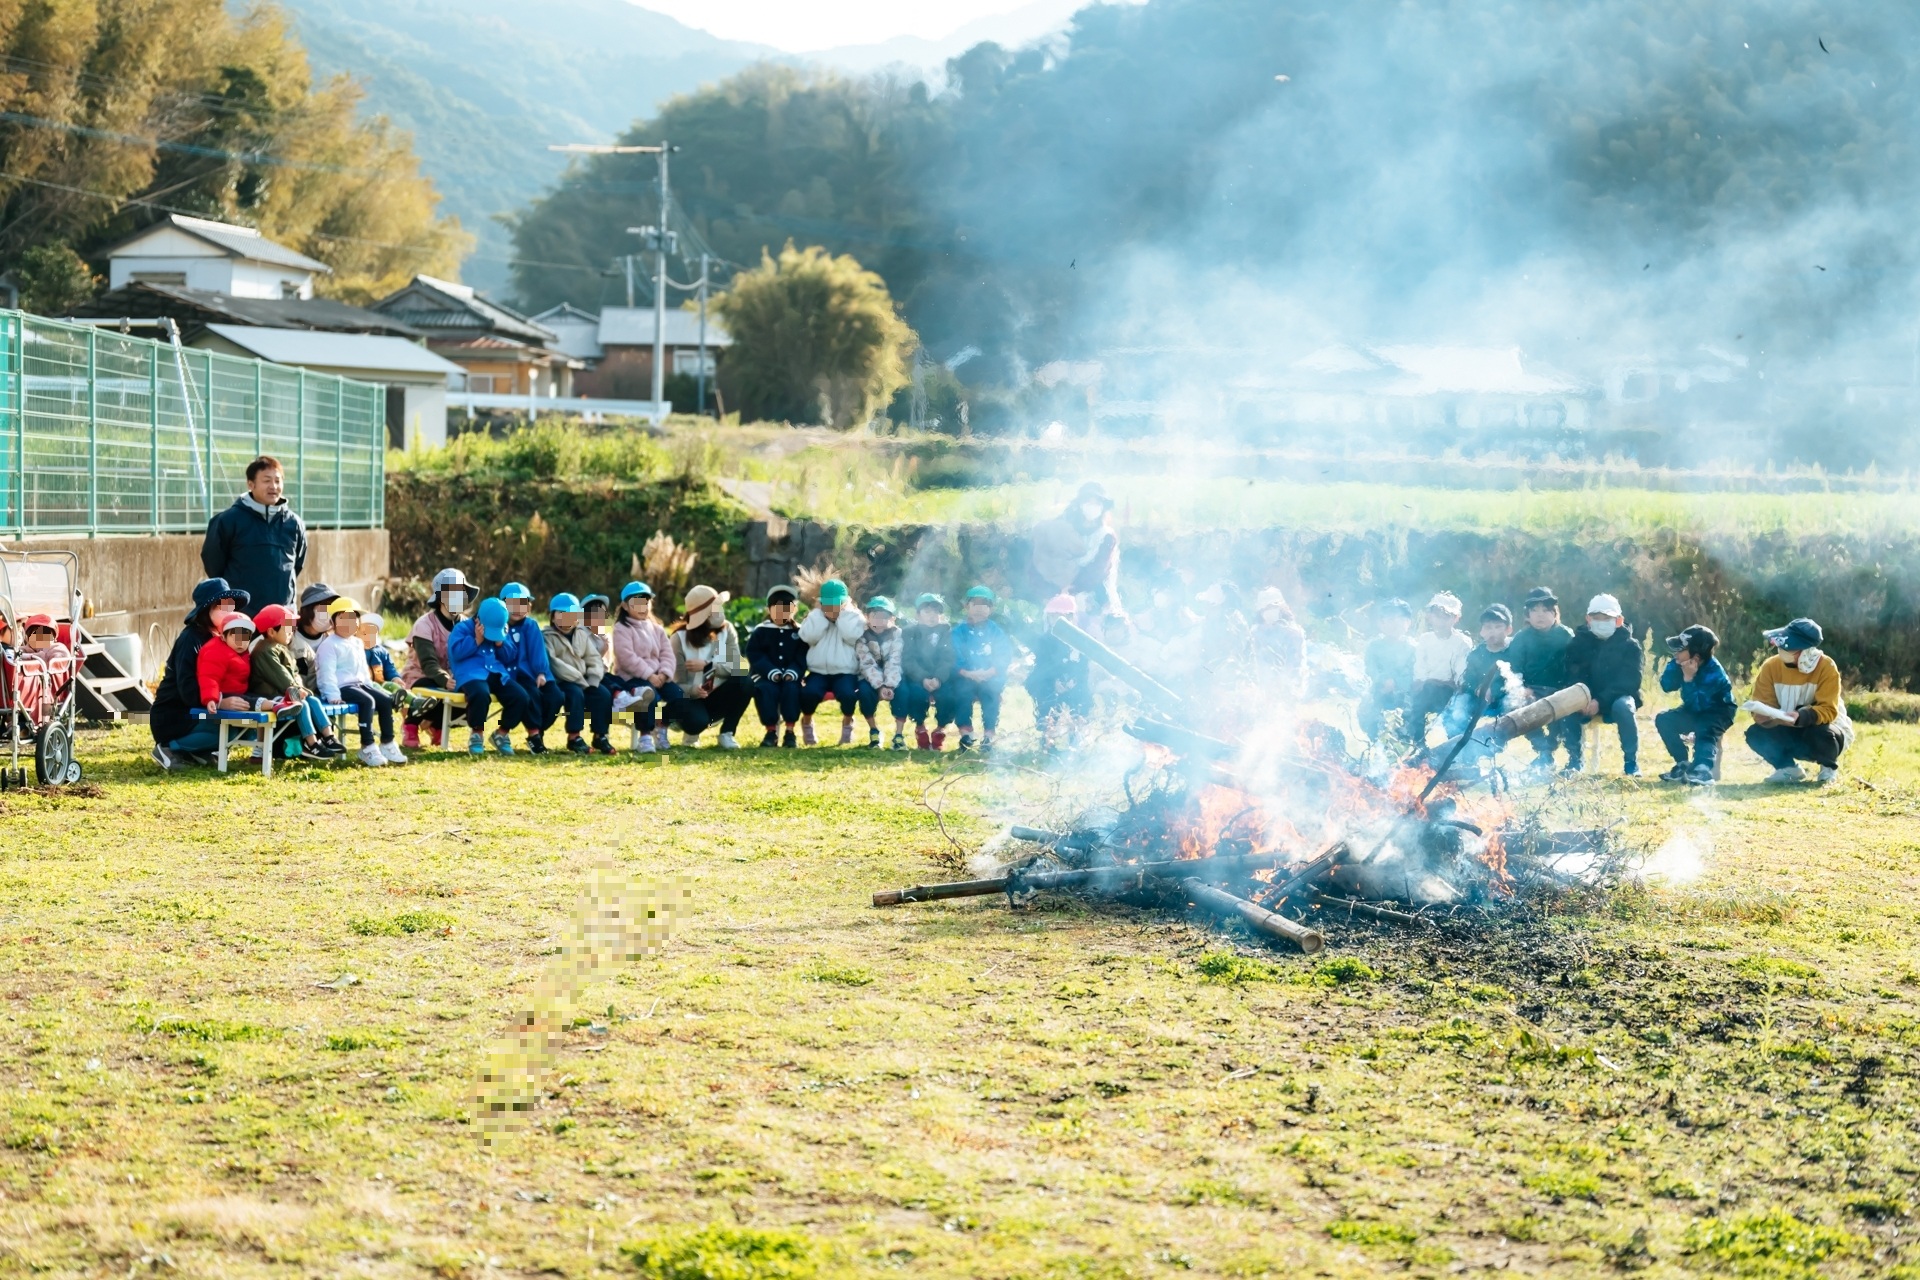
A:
(276, 682)
(43, 640)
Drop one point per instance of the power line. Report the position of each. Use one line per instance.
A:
(183, 148)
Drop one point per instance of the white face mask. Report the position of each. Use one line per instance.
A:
(1603, 630)
(1092, 511)
(456, 601)
(1809, 659)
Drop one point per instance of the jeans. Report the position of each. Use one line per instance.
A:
(370, 702)
(514, 704)
(586, 703)
(776, 700)
(543, 703)
(724, 705)
(1707, 730)
(312, 714)
(911, 702)
(963, 693)
(1619, 714)
(818, 687)
(1780, 747)
(204, 739)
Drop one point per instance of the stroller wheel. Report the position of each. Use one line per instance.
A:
(73, 772)
(52, 754)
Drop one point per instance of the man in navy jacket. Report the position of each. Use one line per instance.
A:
(258, 544)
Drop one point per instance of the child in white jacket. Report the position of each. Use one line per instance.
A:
(340, 660)
(831, 633)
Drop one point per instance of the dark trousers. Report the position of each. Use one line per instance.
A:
(1619, 714)
(724, 704)
(912, 702)
(370, 702)
(1780, 747)
(543, 703)
(512, 695)
(1707, 729)
(962, 693)
(1374, 708)
(818, 687)
(1429, 699)
(1560, 732)
(586, 703)
(421, 711)
(776, 700)
(1075, 700)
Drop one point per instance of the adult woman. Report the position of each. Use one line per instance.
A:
(706, 666)
(177, 738)
(427, 663)
(311, 628)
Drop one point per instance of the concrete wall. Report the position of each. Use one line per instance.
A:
(144, 585)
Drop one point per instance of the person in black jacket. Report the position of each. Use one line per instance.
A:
(1060, 684)
(776, 662)
(258, 544)
(926, 668)
(1604, 656)
(178, 739)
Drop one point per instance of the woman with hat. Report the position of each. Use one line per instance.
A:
(177, 739)
(427, 664)
(706, 666)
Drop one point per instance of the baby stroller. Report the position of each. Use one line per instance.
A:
(37, 689)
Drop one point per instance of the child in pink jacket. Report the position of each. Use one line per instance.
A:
(643, 660)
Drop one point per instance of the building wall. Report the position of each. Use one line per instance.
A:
(144, 585)
(218, 274)
(426, 417)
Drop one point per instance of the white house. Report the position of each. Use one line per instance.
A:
(219, 257)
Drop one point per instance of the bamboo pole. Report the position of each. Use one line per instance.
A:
(1278, 926)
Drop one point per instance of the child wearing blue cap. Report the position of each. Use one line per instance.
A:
(579, 673)
(531, 667)
(643, 663)
(982, 655)
(484, 663)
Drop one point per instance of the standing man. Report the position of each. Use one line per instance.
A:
(258, 544)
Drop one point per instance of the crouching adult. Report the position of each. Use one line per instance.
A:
(706, 662)
(1798, 712)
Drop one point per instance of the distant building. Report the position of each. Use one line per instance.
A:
(415, 378)
(502, 351)
(218, 257)
(616, 347)
(576, 332)
(196, 309)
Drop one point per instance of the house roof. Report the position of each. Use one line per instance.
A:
(441, 305)
(360, 352)
(633, 327)
(232, 241)
(577, 332)
(197, 308)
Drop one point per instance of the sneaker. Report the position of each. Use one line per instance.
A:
(476, 743)
(1632, 769)
(645, 745)
(1827, 774)
(331, 748)
(966, 742)
(1699, 775)
(788, 741)
(920, 738)
(371, 757)
(578, 745)
(846, 730)
(166, 759)
(806, 735)
(986, 745)
(873, 739)
(410, 736)
(391, 753)
(729, 743)
(536, 744)
(603, 745)
(899, 742)
(1679, 773)
(772, 739)
(1784, 774)
(660, 738)
(502, 743)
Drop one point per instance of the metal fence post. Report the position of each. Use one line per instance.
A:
(153, 430)
(93, 432)
(300, 438)
(339, 450)
(377, 459)
(20, 435)
(259, 409)
(208, 364)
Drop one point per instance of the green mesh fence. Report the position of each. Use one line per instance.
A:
(102, 432)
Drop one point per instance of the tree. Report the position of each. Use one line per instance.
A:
(816, 339)
(119, 110)
(53, 280)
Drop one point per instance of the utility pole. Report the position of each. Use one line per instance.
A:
(702, 409)
(662, 242)
(628, 259)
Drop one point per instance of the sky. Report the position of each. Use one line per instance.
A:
(823, 24)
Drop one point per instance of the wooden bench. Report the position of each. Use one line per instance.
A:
(263, 729)
(450, 700)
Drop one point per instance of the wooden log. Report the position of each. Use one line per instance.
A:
(934, 892)
(1367, 909)
(1319, 869)
(1267, 922)
(1097, 878)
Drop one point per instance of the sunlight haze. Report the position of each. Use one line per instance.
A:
(801, 28)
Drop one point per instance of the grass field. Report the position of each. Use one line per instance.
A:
(249, 1028)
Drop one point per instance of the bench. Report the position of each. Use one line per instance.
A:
(266, 729)
(450, 700)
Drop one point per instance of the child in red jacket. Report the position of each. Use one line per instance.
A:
(225, 667)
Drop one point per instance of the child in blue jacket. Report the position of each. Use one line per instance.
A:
(1706, 705)
(531, 669)
(982, 655)
(483, 658)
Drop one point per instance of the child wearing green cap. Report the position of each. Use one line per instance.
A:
(926, 669)
(879, 651)
(830, 633)
(982, 656)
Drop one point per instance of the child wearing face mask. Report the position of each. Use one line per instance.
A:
(427, 663)
(1798, 710)
(1604, 656)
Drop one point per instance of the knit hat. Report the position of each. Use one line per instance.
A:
(1062, 605)
(832, 592)
(1497, 613)
(782, 592)
(1801, 633)
(274, 615)
(235, 621)
(702, 603)
(881, 603)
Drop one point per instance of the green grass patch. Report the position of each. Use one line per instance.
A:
(839, 975)
(1368, 1231)
(1560, 1185)
(1342, 970)
(1769, 1243)
(402, 925)
(1774, 967)
(208, 1030)
(722, 1252)
(1228, 969)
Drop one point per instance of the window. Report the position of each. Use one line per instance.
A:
(178, 278)
(486, 384)
(687, 361)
